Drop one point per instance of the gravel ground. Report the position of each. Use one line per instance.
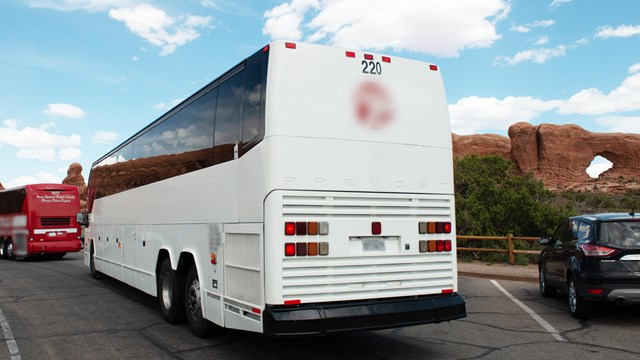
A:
(498, 271)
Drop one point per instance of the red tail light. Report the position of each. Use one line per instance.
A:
(439, 245)
(289, 228)
(447, 228)
(439, 227)
(447, 245)
(595, 291)
(596, 250)
(289, 249)
(376, 228)
(301, 228)
(447, 291)
(292, 302)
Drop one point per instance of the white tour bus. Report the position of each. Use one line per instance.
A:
(306, 191)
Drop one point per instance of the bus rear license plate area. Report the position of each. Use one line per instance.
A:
(374, 244)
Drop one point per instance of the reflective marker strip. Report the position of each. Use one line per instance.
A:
(14, 351)
(44, 231)
(550, 329)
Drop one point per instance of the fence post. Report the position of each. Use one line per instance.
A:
(512, 258)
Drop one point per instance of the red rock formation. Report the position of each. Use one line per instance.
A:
(74, 177)
(560, 154)
(485, 144)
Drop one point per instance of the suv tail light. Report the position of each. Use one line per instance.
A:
(596, 250)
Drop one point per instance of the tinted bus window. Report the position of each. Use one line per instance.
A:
(179, 144)
(252, 102)
(11, 202)
(228, 118)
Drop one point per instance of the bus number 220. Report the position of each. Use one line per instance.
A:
(371, 67)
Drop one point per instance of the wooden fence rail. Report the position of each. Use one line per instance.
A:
(510, 248)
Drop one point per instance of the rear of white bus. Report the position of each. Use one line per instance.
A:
(359, 220)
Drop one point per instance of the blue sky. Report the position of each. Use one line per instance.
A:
(77, 77)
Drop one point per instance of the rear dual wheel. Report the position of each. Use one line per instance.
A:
(200, 326)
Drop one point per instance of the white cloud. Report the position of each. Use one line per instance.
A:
(471, 114)
(520, 28)
(625, 124)
(104, 137)
(41, 177)
(543, 23)
(541, 40)
(158, 28)
(69, 153)
(37, 143)
(556, 3)
(528, 27)
(606, 32)
(75, 5)
(539, 56)
(64, 110)
(593, 101)
(134, 58)
(168, 105)
(44, 154)
(413, 25)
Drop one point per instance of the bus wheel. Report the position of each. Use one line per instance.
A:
(200, 326)
(170, 296)
(9, 250)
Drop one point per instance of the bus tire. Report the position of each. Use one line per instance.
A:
(92, 263)
(3, 248)
(9, 250)
(170, 294)
(200, 326)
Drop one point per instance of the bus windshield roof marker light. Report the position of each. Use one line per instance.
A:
(290, 45)
(350, 54)
(368, 57)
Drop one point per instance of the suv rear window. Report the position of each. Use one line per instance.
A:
(620, 233)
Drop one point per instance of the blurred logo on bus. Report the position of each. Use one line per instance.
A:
(373, 105)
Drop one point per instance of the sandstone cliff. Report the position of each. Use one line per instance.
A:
(74, 177)
(560, 154)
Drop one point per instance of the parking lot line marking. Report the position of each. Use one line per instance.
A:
(12, 345)
(550, 329)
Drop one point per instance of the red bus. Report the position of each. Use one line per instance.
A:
(38, 220)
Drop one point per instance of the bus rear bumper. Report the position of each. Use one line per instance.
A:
(51, 247)
(324, 319)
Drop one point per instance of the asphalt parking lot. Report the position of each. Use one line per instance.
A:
(55, 310)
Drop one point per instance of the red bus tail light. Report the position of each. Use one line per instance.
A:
(447, 245)
(439, 245)
(289, 228)
(289, 249)
(447, 228)
(376, 228)
(301, 228)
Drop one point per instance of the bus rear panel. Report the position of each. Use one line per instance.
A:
(39, 220)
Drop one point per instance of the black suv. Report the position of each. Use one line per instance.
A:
(593, 258)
